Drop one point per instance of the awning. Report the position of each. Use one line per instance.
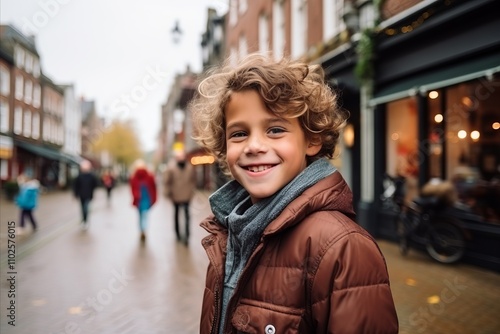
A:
(443, 77)
(48, 153)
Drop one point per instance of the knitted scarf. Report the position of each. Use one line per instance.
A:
(232, 206)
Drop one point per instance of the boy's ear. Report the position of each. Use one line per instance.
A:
(313, 147)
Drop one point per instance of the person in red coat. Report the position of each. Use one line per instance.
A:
(143, 187)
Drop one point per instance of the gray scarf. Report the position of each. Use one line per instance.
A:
(232, 206)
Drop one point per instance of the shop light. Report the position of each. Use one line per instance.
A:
(433, 95)
(202, 160)
(462, 134)
(475, 135)
(438, 118)
(349, 136)
(433, 299)
(495, 125)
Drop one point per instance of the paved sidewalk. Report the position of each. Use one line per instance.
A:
(63, 271)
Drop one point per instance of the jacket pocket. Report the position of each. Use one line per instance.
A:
(257, 317)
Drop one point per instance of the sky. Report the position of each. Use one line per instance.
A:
(119, 53)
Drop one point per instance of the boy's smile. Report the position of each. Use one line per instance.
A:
(264, 151)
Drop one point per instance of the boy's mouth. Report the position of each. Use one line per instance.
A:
(260, 168)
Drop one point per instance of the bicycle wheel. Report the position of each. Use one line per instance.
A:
(445, 242)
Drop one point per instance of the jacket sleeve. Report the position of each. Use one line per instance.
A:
(359, 299)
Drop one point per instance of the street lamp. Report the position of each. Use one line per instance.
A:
(176, 33)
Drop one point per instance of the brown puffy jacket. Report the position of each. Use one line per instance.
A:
(313, 271)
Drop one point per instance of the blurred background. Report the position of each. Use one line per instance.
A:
(109, 81)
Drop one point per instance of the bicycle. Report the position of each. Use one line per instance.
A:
(430, 221)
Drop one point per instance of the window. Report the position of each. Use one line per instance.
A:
(18, 120)
(46, 129)
(36, 126)
(263, 33)
(243, 6)
(233, 57)
(402, 142)
(4, 116)
(36, 96)
(299, 28)
(366, 16)
(278, 29)
(29, 63)
(333, 22)
(28, 91)
(242, 47)
(4, 169)
(36, 68)
(4, 81)
(19, 57)
(233, 12)
(19, 87)
(27, 123)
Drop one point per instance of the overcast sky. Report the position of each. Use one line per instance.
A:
(119, 53)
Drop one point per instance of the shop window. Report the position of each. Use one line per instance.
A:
(473, 145)
(436, 133)
(402, 146)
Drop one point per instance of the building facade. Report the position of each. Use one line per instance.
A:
(420, 80)
(32, 114)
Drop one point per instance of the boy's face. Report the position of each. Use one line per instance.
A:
(264, 151)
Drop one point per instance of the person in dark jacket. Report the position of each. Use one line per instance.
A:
(285, 255)
(143, 187)
(83, 189)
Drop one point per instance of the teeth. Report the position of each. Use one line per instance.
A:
(256, 169)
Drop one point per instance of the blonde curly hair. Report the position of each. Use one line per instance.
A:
(289, 89)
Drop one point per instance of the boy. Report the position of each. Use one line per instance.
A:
(285, 254)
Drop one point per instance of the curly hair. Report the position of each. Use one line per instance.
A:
(289, 89)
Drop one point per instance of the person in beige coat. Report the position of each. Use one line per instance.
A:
(180, 184)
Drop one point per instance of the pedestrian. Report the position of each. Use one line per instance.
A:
(180, 184)
(108, 181)
(83, 189)
(285, 254)
(27, 200)
(143, 187)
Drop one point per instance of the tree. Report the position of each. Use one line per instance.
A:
(120, 141)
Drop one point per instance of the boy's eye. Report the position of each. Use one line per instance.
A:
(276, 130)
(237, 134)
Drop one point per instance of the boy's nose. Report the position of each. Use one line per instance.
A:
(255, 145)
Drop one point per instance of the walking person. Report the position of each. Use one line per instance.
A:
(180, 184)
(83, 189)
(143, 187)
(285, 254)
(108, 181)
(27, 201)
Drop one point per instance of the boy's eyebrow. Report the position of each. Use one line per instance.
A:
(267, 122)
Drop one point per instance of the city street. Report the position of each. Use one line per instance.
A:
(66, 280)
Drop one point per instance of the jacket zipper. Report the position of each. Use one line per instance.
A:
(252, 261)
(216, 313)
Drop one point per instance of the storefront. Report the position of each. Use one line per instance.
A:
(437, 112)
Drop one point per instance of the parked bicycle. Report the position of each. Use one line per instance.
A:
(431, 220)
